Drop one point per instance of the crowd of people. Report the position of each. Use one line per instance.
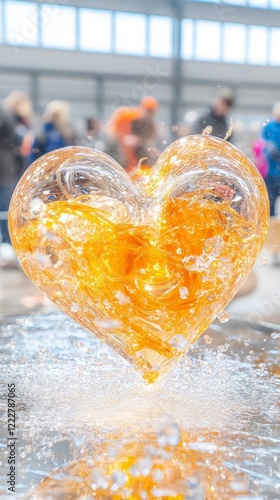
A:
(131, 136)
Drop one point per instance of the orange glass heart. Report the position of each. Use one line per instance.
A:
(144, 266)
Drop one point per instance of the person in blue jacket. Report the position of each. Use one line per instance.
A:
(271, 136)
(57, 131)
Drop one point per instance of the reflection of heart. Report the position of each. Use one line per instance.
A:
(166, 468)
(145, 266)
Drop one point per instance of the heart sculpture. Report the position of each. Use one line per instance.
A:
(144, 266)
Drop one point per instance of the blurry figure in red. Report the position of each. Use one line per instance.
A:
(136, 131)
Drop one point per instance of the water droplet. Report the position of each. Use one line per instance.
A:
(223, 348)
(207, 130)
(43, 259)
(36, 206)
(142, 467)
(195, 490)
(238, 487)
(58, 264)
(179, 342)
(78, 440)
(208, 339)
(157, 475)
(223, 317)
(229, 132)
(183, 292)
(99, 481)
(122, 298)
(169, 435)
(203, 446)
(213, 246)
(110, 324)
(198, 264)
(118, 480)
(143, 495)
(261, 261)
(163, 492)
(74, 307)
(275, 335)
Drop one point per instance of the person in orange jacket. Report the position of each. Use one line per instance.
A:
(135, 129)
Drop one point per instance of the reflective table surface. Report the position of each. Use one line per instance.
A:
(74, 396)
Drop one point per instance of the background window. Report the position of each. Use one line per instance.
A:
(207, 41)
(274, 55)
(257, 48)
(1, 23)
(275, 4)
(58, 26)
(21, 23)
(233, 2)
(96, 30)
(234, 43)
(263, 4)
(160, 36)
(187, 39)
(130, 34)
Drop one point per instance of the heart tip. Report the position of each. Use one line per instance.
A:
(151, 376)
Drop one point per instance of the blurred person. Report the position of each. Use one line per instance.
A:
(136, 130)
(57, 130)
(97, 138)
(11, 166)
(190, 119)
(144, 130)
(257, 143)
(216, 116)
(259, 156)
(19, 107)
(271, 135)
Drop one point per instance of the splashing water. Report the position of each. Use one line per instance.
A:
(208, 430)
(230, 130)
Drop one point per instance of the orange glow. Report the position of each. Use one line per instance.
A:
(145, 469)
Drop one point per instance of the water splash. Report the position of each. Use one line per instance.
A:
(230, 130)
(75, 396)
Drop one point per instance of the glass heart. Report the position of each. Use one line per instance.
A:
(144, 266)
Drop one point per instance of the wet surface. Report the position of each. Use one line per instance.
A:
(73, 395)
